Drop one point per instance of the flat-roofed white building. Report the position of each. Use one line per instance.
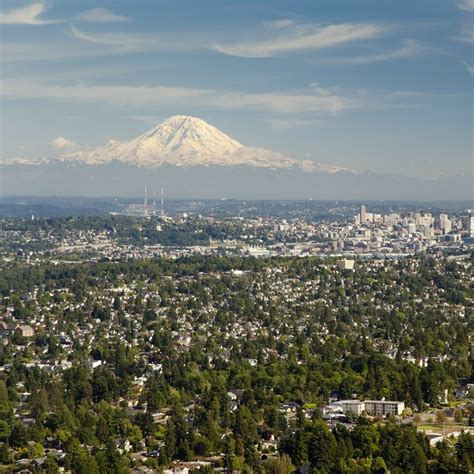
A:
(355, 407)
(346, 264)
(384, 407)
(371, 407)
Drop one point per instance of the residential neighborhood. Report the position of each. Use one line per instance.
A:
(222, 349)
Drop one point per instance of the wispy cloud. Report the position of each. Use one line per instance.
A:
(113, 39)
(411, 94)
(14, 52)
(131, 42)
(28, 15)
(291, 37)
(286, 103)
(406, 94)
(410, 49)
(469, 68)
(287, 37)
(466, 35)
(145, 118)
(100, 15)
(322, 101)
(119, 95)
(278, 24)
(467, 5)
(284, 124)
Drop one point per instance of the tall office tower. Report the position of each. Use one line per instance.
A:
(154, 198)
(471, 226)
(445, 223)
(447, 226)
(362, 214)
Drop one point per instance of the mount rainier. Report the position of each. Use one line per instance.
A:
(189, 141)
(193, 159)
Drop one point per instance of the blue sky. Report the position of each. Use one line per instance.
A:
(377, 85)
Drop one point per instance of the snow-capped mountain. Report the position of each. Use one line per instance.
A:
(189, 141)
(193, 159)
(24, 161)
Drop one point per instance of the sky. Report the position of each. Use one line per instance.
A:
(377, 85)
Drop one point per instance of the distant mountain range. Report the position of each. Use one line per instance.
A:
(184, 141)
(191, 158)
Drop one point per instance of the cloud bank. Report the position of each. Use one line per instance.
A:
(28, 15)
(316, 99)
(64, 144)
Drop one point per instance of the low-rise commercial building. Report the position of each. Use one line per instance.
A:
(384, 407)
(371, 407)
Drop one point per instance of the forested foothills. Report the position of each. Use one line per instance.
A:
(231, 362)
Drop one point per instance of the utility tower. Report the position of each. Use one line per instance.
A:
(162, 210)
(145, 204)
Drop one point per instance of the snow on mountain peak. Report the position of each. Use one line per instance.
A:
(183, 140)
(179, 140)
